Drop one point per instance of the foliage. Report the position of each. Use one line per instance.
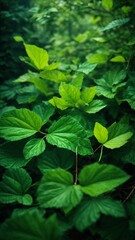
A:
(67, 124)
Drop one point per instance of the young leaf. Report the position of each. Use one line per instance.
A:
(69, 93)
(30, 225)
(53, 75)
(11, 155)
(118, 141)
(18, 124)
(68, 133)
(34, 147)
(91, 209)
(57, 190)
(88, 94)
(96, 179)
(107, 4)
(38, 56)
(15, 184)
(59, 103)
(118, 58)
(101, 133)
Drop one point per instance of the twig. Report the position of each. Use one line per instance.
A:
(76, 166)
(129, 195)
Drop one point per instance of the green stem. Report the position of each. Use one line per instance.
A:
(76, 166)
(101, 153)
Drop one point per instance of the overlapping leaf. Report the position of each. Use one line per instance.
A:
(57, 190)
(96, 179)
(91, 209)
(68, 133)
(18, 124)
(14, 185)
(30, 225)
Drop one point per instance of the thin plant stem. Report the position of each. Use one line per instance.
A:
(97, 148)
(42, 133)
(129, 195)
(76, 166)
(101, 153)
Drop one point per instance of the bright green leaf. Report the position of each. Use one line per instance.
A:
(68, 133)
(34, 147)
(18, 124)
(69, 93)
(14, 185)
(38, 56)
(88, 94)
(59, 103)
(98, 58)
(57, 190)
(107, 4)
(101, 133)
(118, 58)
(118, 141)
(96, 178)
(53, 75)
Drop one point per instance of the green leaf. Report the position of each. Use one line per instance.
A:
(45, 110)
(30, 225)
(57, 190)
(96, 179)
(98, 58)
(88, 94)
(90, 211)
(118, 58)
(57, 158)
(77, 80)
(107, 4)
(59, 103)
(38, 56)
(116, 23)
(14, 185)
(95, 106)
(100, 133)
(118, 141)
(13, 158)
(34, 147)
(68, 133)
(69, 93)
(18, 124)
(53, 75)
(115, 228)
(86, 67)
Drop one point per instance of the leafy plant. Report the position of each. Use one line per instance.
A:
(67, 128)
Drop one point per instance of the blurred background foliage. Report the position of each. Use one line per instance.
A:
(76, 30)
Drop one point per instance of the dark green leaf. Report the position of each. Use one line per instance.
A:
(91, 209)
(57, 158)
(30, 225)
(57, 190)
(11, 155)
(14, 185)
